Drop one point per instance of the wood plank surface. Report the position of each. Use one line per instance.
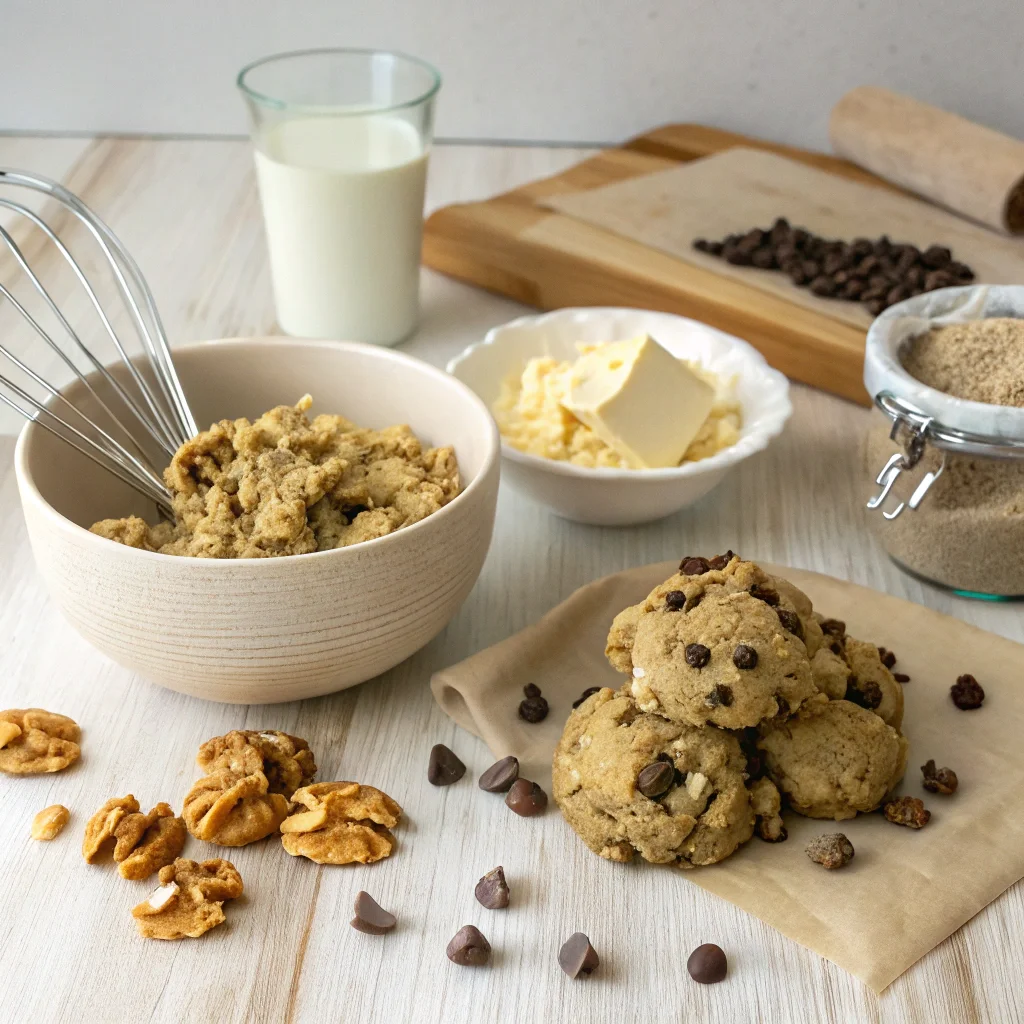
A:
(68, 947)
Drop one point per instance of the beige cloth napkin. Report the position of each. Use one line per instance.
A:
(906, 890)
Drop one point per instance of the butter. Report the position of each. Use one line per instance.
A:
(639, 400)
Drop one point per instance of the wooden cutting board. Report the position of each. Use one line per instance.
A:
(515, 245)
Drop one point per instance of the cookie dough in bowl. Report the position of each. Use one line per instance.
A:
(265, 629)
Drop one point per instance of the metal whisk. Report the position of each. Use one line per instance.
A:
(132, 413)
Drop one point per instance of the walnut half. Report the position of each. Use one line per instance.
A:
(190, 899)
(233, 809)
(286, 760)
(34, 741)
(142, 843)
(343, 823)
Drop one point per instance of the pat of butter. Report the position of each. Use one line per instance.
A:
(640, 400)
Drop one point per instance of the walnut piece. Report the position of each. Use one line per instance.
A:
(766, 803)
(343, 823)
(230, 808)
(190, 899)
(286, 760)
(907, 810)
(49, 822)
(142, 843)
(34, 741)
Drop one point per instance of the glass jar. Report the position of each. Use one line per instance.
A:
(946, 474)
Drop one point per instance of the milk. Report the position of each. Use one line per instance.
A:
(343, 205)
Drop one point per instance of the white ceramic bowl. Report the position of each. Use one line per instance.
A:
(620, 497)
(274, 629)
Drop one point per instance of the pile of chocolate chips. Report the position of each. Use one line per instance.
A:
(876, 272)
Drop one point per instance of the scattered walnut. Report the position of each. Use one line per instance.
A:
(967, 693)
(232, 809)
(49, 822)
(35, 741)
(344, 823)
(907, 810)
(286, 760)
(831, 851)
(941, 780)
(189, 900)
(767, 806)
(142, 843)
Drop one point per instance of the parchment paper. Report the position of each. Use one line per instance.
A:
(742, 188)
(906, 890)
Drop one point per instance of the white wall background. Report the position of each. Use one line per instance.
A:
(552, 70)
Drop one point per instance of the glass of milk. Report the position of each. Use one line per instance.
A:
(341, 139)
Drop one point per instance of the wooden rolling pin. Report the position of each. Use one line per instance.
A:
(969, 169)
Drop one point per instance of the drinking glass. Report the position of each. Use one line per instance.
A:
(341, 140)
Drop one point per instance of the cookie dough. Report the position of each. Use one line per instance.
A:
(232, 808)
(285, 485)
(699, 811)
(835, 761)
(285, 760)
(867, 671)
(718, 646)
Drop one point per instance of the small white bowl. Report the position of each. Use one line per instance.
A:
(621, 497)
(262, 630)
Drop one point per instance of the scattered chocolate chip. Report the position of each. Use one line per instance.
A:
(500, 776)
(675, 600)
(694, 566)
(531, 690)
(763, 593)
(721, 561)
(836, 648)
(492, 890)
(791, 622)
(744, 657)
(967, 693)
(720, 696)
(526, 798)
(833, 627)
(887, 657)
(708, 964)
(533, 709)
(588, 692)
(696, 655)
(901, 677)
(656, 779)
(939, 780)
(444, 766)
(371, 917)
(831, 851)
(577, 956)
(907, 810)
(469, 948)
(867, 693)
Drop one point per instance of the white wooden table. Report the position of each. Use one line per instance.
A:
(68, 947)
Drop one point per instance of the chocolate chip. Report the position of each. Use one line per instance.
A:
(720, 696)
(791, 622)
(721, 561)
(526, 798)
(531, 690)
(866, 693)
(901, 677)
(469, 948)
(701, 244)
(500, 776)
(834, 627)
(675, 600)
(444, 767)
(708, 964)
(371, 917)
(831, 851)
(744, 657)
(588, 692)
(908, 810)
(763, 593)
(967, 693)
(492, 890)
(696, 655)
(939, 780)
(694, 566)
(887, 657)
(656, 779)
(533, 709)
(577, 956)
(936, 256)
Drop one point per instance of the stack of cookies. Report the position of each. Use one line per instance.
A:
(738, 696)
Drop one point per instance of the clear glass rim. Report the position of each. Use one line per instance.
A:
(341, 111)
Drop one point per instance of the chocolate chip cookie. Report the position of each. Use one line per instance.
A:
(871, 684)
(630, 782)
(834, 761)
